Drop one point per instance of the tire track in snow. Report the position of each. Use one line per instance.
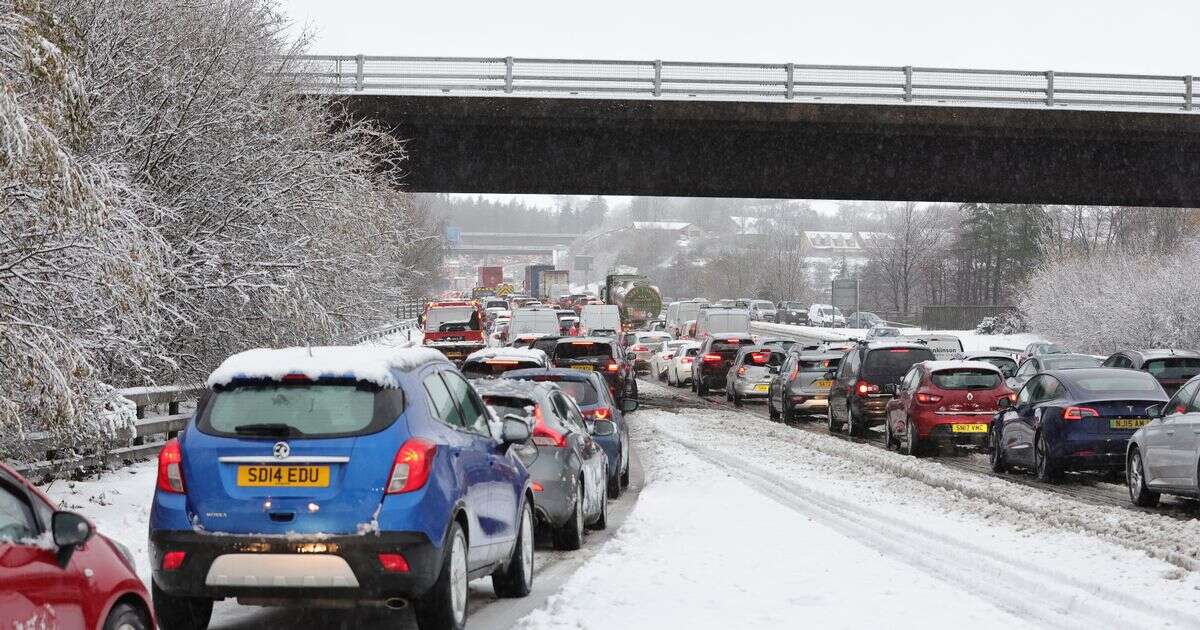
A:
(1040, 594)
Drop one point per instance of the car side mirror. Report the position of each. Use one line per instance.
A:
(603, 428)
(70, 531)
(515, 430)
(629, 405)
(1154, 411)
(1004, 403)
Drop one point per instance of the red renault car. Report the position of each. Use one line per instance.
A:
(944, 402)
(57, 572)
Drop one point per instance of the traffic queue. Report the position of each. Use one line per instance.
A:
(1041, 410)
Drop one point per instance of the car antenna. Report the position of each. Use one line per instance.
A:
(309, 345)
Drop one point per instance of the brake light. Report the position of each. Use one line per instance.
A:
(928, 399)
(712, 358)
(544, 435)
(639, 348)
(293, 378)
(411, 467)
(685, 360)
(170, 467)
(501, 361)
(600, 413)
(741, 371)
(393, 563)
(172, 560)
(668, 357)
(612, 366)
(794, 374)
(864, 388)
(1079, 413)
(759, 357)
(903, 350)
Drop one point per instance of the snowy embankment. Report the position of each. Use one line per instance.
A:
(972, 341)
(748, 524)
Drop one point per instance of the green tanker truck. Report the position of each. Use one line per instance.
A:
(632, 293)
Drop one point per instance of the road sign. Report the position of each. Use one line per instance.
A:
(584, 263)
(844, 294)
(453, 236)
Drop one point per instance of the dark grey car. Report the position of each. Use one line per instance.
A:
(1163, 457)
(568, 468)
(801, 387)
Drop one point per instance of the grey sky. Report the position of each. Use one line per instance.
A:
(1147, 36)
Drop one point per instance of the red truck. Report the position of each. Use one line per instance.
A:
(454, 328)
(490, 277)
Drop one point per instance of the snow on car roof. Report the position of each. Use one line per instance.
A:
(522, 354)
(513, 388)
(938, 366)
(373, 364)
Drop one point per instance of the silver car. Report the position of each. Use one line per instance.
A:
(750, 373)
(801, 387)
(762, 311)
(1163, 456)
(568, 468)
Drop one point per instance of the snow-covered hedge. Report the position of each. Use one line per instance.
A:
(1105, 302)
(166, 199)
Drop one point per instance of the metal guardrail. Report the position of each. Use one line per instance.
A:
(408, 326)
(657, 79)
(161, 416)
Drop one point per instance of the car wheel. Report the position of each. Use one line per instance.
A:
(1135, 474)
(737, 400)
(834, 425)
(774, 415)
(1047, 468)
(516, 579)
(997, 457)
(728, 395)
(634, 390)
(625, 471)
(671, 378)
(700, 388)
(889, 442)
(855, 426)
(569, 537)
(912, 440)
(601, 522)
(126, 616)
(614, 485)
(180, 613)
(444, 606)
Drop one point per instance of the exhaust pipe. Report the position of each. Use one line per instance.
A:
(396, 603)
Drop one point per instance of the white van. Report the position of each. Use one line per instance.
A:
(826, 315)
(680, 313)
(526, 321)
(715, 321)
(594, 317)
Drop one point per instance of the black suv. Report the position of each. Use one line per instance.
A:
(714, 359)
(598, 354)
(866, 381)
(791, 313)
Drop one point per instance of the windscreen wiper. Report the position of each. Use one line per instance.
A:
(272, 429)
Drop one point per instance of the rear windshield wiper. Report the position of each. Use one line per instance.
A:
(273, 429)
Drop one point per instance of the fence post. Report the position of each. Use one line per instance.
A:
(358, 73)
(658, 77)
(1050, 88)
(508, 75)
(908, 84)
(1187, 92)
(791, 70)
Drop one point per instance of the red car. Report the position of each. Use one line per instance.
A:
(57, 572)
(944, 402)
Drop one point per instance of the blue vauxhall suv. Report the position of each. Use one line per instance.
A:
(341, 476)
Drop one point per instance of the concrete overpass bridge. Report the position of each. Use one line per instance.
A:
(511, 243)
(551, 126)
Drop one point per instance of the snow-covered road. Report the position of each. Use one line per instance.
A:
(741, 526)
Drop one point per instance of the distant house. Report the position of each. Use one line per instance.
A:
(837, 245)
(682, 229)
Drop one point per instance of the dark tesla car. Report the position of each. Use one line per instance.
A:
(1041, 363)
(1172, 368)
(1078, 419)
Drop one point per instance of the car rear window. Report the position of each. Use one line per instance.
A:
(583, 392)
(304, 409)
(1173, 368)
(819, 365)
(451, 319)
(504, 405)
(495, 367)
(582, 350)
(545, 344)
(888, 365)
(966, 379)
(1069, 363)
(1004, 363)
(1116, 384)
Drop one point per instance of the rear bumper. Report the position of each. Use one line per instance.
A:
(944, 433)
(873, 410)
(808, 402)
(1092, 452)
(745, 389)
(553, 505)
(360, 553)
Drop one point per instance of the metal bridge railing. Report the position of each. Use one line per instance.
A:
(739, 81)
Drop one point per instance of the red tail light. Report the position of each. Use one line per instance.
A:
(712, 358)
(410, 468)
(600, 413)
(612, 366)
(928, 399)
(759, 357)
(639, 348)
(170, 468)
(1079, 413)
(544, 435)
(685, 360)
(741, 371)
(172, 560)
(668, 357)
(393, 563)
(865, 389)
